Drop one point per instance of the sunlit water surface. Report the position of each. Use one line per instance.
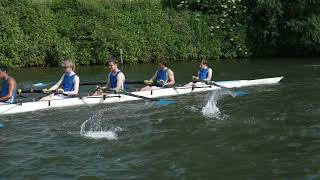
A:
(274, 133)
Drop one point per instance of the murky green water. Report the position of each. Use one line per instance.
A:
(274, 133)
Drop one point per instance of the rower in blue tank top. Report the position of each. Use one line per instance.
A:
(68, 82)
(116, 78)
(68, 85)
(163, 78)
(204, 74)
(8, 89)
(115, 81)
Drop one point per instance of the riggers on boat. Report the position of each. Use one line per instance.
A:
(114, 98)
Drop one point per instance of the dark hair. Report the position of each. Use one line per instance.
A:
(3, 68)
(164, 62)
(113, 60)
(204, 61)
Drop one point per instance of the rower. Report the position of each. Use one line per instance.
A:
(164, 78)
(204, 74)
(116, 78)
(9, 90)
(68, 85)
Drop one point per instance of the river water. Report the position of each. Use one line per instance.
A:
(274, 133)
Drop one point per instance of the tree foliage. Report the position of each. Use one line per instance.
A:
(46, 32)
(271, 27)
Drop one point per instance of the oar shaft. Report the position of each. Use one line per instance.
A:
(215, 84)
(104, 82)
(138, 96)
(40, 91)
(93, 83)
(231, 92)
(134, 82)
(90, 83)
(212, 83)
(30, 91)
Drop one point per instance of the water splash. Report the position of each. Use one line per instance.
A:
(211, 110)
(98, 127)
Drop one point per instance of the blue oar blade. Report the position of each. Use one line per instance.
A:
(240, 93)
(163, 102)
(1, 125)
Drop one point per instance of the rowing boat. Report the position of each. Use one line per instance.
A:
(115, 98)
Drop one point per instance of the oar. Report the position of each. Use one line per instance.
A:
(40, 91)
(104, 82)
(19, 91)
(87, 83)
(160, 101)
(231, 92)
(1, 125)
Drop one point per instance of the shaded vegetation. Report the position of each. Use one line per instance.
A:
(273, 27)
(46, 32)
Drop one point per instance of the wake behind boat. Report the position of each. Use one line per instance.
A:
(115, 98)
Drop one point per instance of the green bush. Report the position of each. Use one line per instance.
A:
(46, 32)
(261, 27)
(283, 28)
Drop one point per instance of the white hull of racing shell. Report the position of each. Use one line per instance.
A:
(115, 98)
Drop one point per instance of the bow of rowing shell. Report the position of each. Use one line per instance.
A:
(114, 98)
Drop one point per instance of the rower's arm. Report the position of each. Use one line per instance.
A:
(57, 85)
(12, 86)
(108, 82)
(171, 80)
(75, 87)
(154, 76)
(120, 80)
(209, 75)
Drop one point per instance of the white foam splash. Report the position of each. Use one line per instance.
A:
(96, 129)
(110, 135)
(211, 110)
